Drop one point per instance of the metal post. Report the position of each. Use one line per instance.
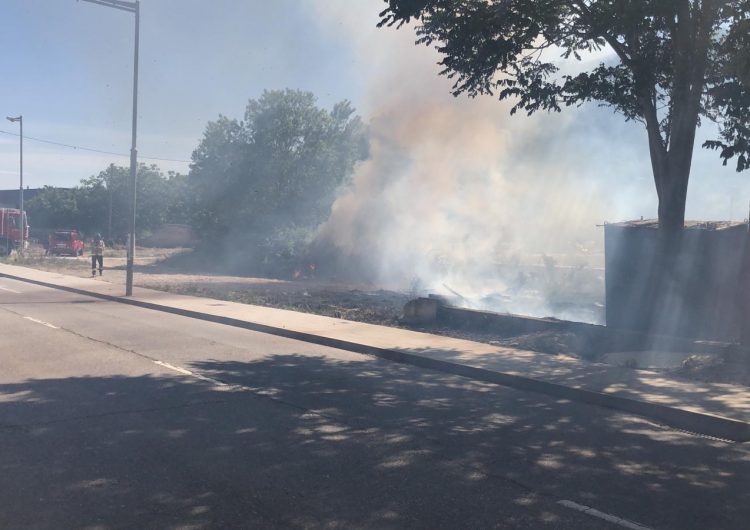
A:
(109, 219)
(22, 229)
(133, 163)
(130, 7)
(20, 195)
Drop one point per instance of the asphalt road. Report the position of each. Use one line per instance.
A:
(113, 416)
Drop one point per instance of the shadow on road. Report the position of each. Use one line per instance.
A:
(300, 441)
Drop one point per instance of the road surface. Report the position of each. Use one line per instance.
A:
(113, 416)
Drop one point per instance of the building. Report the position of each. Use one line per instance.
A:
(9, 198)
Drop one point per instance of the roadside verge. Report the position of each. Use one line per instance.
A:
(721, 411)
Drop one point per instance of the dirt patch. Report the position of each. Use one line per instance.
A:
(169, 270)
(183, 272)
(551, 341)
(713, 369)
(374, 307)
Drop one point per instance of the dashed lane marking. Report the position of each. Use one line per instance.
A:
(9, 290)
(191, 374)
(593, 512)
(42, 322)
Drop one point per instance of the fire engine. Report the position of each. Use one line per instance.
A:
(10, 230)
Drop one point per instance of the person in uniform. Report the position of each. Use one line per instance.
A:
(97, 255)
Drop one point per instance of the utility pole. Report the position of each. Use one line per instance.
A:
(109, 218)
(108, 181)
(22, 229)
(130, 7)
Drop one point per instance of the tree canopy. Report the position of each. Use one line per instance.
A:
(278, 167)
(161, 199)
(269, 179)
(664, 63)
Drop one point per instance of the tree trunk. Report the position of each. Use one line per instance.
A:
(670, 166)
(656, 279)
(672, 186)
(671, 155)
(671, 170)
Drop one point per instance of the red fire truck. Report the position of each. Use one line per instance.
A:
(10, 230)
(65, 242)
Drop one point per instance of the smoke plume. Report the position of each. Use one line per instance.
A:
(459, 198)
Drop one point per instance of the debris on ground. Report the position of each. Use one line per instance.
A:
(713, 369)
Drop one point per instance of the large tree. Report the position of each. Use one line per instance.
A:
(278, 168)
(664, 63)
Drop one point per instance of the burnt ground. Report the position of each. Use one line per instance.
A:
(184, 272)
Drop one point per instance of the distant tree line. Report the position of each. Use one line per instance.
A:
(100, 203)
(265, 181)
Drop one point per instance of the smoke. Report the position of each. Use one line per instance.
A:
(459, 198)
(446, 202)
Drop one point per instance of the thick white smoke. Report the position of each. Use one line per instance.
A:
(444, 201)
(459, 196)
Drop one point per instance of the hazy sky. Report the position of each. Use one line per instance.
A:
(67, 67)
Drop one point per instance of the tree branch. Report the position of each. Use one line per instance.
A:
(584, 11)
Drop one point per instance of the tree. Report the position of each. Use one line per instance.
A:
(54, 208)
(105, 196)
(667, 64)
(279, 168)
(100, 202)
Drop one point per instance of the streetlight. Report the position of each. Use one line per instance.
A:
(22, 231)
(130, 7)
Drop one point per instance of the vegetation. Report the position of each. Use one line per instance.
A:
(664, 63)
(100, 203)
(258, 187)
(276, 170)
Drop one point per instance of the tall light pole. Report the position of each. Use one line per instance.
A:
(130, 7)
(22, 231)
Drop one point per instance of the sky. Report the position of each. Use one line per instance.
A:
(67, 67)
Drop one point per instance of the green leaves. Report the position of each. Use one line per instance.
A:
(727, 99)
(161, 199)
(278, 167)
(660, 62)
(732, 99)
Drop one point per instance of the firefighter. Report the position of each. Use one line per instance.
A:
(97, 255)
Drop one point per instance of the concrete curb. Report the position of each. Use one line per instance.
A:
(696, 422)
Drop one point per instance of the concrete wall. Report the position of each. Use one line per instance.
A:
(692, 287)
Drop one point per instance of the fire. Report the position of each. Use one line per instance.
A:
(304, 272)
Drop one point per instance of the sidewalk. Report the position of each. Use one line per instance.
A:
(721, 410)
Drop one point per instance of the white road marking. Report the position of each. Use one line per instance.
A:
(188, 372)
(9, 290)
(42, 322)
(619, 521)
(172, 367)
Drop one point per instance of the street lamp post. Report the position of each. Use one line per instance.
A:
(130, 7)
(22, 231)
